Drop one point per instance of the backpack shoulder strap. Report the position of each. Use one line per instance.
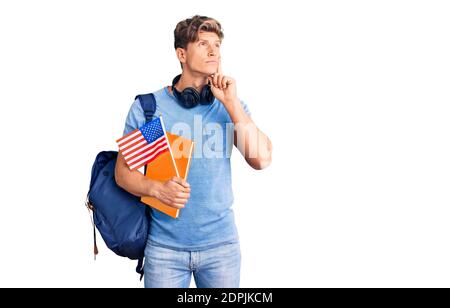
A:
(148, 104)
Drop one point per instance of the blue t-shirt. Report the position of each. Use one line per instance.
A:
(207, 220)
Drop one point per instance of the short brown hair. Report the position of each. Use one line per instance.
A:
(187, 30)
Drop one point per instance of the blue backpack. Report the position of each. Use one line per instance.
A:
(122, 220)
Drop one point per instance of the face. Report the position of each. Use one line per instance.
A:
(203, 56)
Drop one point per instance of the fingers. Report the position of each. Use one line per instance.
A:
(180, 199)
(175, 192)
(177, 205)
(219, 81)
(214, 79)
(181, 182)
(210, 79)
(183, 195)
(224, 82)
(177, 200)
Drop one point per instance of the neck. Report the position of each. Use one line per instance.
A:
(189, 79)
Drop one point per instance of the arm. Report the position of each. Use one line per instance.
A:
(254, 145)
(174, 192)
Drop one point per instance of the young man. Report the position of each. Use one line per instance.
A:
(203, 240)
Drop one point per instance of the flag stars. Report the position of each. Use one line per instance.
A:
(152, 130)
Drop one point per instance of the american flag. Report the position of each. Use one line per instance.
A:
(143, 145)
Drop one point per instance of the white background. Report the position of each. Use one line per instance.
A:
(354, 95)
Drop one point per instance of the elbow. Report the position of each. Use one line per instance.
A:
(263, 164)
(260, 164)
(119, 178)
(264, 160)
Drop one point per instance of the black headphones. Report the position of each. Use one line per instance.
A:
(189, 97)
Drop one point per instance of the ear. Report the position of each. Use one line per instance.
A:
(181, 54)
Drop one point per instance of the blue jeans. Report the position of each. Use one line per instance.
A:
(217, 267)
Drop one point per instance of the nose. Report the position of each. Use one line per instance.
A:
(211, 51)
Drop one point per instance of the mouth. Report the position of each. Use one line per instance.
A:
(211, 62)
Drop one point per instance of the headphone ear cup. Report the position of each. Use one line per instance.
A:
(190, 97)
(206, 96)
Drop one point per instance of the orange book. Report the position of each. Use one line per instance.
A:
(162, 169)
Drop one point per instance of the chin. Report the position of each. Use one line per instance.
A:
(204, 72)
(209, 72)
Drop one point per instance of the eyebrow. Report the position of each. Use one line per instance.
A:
(217, 41)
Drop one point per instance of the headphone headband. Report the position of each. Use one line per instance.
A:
(190, 97)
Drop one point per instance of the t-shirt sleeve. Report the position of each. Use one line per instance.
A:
(135, 117)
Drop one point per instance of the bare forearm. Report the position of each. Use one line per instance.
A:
(254, 145)
(133, 181)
